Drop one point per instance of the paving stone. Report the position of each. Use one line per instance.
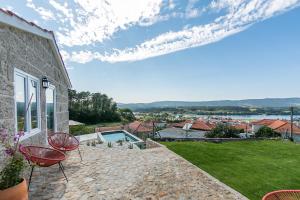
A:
(122, 173)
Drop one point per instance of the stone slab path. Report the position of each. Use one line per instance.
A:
(122, 173)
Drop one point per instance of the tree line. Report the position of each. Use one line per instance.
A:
(93, 108)
(223, 110)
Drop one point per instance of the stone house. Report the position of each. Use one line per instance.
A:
(29, 59)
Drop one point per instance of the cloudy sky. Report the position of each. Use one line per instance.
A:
(150, 50)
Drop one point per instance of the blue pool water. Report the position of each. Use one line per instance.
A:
(118, 135)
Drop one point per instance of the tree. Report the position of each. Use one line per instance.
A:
(92, 108)
(126, 115)
(265, 131)
(223, 131)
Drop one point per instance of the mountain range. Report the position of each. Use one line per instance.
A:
(267, 102)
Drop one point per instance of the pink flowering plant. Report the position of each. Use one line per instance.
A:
(14, 165)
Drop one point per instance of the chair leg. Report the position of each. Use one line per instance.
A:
(62, 166)
(79, 153)
(32, 167)
(62, 170)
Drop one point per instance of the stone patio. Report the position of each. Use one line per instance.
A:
(123, 173)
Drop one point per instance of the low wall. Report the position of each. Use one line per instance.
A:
(108, 128)
(152, 144)
(216, 140)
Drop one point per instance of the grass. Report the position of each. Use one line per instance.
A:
(86, 129)
(251, 167)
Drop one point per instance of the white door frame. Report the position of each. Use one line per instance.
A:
(51, 87)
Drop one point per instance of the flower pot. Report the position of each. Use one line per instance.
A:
(17, 192)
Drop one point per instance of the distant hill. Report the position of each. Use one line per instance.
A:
(267, 102)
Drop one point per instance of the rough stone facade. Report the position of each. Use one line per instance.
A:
(33, 55)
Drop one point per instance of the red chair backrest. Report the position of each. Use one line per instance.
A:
(283, 195)
(63, 141)
(42, 156)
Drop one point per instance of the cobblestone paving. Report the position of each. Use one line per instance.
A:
(122, 173)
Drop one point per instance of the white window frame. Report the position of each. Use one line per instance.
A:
(51, 87)
(30, 132)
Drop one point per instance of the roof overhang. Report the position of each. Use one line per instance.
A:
(11, 19)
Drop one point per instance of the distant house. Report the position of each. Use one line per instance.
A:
(260, 123)
(243, 126)
(141, 127)
(33, 75)
(196, 125)
(283, 127)
(186, 129)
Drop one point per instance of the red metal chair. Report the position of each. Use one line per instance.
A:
(43, 157)
(64, 142)
(283, 195)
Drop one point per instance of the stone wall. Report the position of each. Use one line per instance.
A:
(33, 55)
(152, 144)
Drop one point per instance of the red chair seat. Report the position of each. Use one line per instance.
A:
(63, 141)
(283, 195)
(42, 156)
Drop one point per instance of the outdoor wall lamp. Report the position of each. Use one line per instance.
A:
(45, 82)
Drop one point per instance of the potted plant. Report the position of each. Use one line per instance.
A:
(12, 184)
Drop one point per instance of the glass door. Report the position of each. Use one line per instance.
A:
(50, 109)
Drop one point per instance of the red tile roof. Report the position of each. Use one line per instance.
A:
(286, 128)
(211, 125)
(181, 124)
(243, 126)
(140, 127)
(201, 125)
(280, 126)
(197, 125)
(276, 124)
(264, 122)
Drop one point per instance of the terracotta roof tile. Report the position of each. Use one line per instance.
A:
(246, 127)
(201, 125)
(264, 122)
(276, 124)
(197, 125)
(140, 127)
(286, 128)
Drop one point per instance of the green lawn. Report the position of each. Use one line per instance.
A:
(251, 167)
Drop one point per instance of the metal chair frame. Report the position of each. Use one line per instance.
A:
(63, 147)
(35, 160)
(283, 195)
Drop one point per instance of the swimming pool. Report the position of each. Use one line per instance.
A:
(114, 136)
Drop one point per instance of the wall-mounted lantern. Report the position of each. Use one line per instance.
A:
(45, 82)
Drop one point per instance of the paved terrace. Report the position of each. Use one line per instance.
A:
(122, 173)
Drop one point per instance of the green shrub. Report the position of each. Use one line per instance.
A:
(223, 131)
(109, 144)
(10, 175)
(265, 131)
(81, 130)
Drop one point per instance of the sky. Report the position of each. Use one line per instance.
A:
(190, 50)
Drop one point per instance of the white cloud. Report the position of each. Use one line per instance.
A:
(191, 11)
(44, 13)
(88, 23)
(240, 16)
(96, 20)
(62, 8)
(171, 4)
